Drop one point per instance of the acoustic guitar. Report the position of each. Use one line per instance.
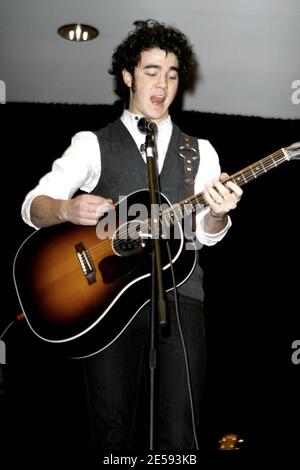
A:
(79, 287)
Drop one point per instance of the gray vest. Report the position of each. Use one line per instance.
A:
(124, 171)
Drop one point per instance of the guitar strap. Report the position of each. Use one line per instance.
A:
(190, 157)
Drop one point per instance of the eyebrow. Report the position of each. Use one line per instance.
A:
(153, 66)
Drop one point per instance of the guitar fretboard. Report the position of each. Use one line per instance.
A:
(196, 203)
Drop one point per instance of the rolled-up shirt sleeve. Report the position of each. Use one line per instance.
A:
(78, 168)
(209, 170)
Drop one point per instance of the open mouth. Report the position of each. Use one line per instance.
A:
(157, 99)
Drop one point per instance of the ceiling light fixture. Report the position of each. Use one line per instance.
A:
(78, 32)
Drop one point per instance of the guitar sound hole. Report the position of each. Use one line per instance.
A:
(127, 240)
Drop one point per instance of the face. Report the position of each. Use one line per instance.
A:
(154, 84)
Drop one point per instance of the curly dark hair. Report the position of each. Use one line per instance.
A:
(147, 35)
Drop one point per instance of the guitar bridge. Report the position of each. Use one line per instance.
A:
(86, 263)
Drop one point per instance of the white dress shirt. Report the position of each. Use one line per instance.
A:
(80, 168)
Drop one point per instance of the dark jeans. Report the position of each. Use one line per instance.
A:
(117, 383)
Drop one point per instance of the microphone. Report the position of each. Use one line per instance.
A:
(145, 126)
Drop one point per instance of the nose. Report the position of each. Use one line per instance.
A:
(162, 81)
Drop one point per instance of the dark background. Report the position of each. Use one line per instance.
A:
(251, 284)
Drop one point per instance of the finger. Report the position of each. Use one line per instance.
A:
(224, 177)
(222, 189)
(92, 198)
(217, 191)
(234, 188)
(103, 208)
(215, 206)
(100, 202)
(88, 220)
(99, 208)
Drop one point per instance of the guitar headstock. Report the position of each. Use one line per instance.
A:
(292, 151)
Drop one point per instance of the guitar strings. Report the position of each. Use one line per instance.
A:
(196, 201)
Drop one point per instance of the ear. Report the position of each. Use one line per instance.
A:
(127, 77)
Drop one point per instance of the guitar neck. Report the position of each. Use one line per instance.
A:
(259, 168)
(197, 203)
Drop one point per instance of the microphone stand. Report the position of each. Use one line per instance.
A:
(158, 302)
